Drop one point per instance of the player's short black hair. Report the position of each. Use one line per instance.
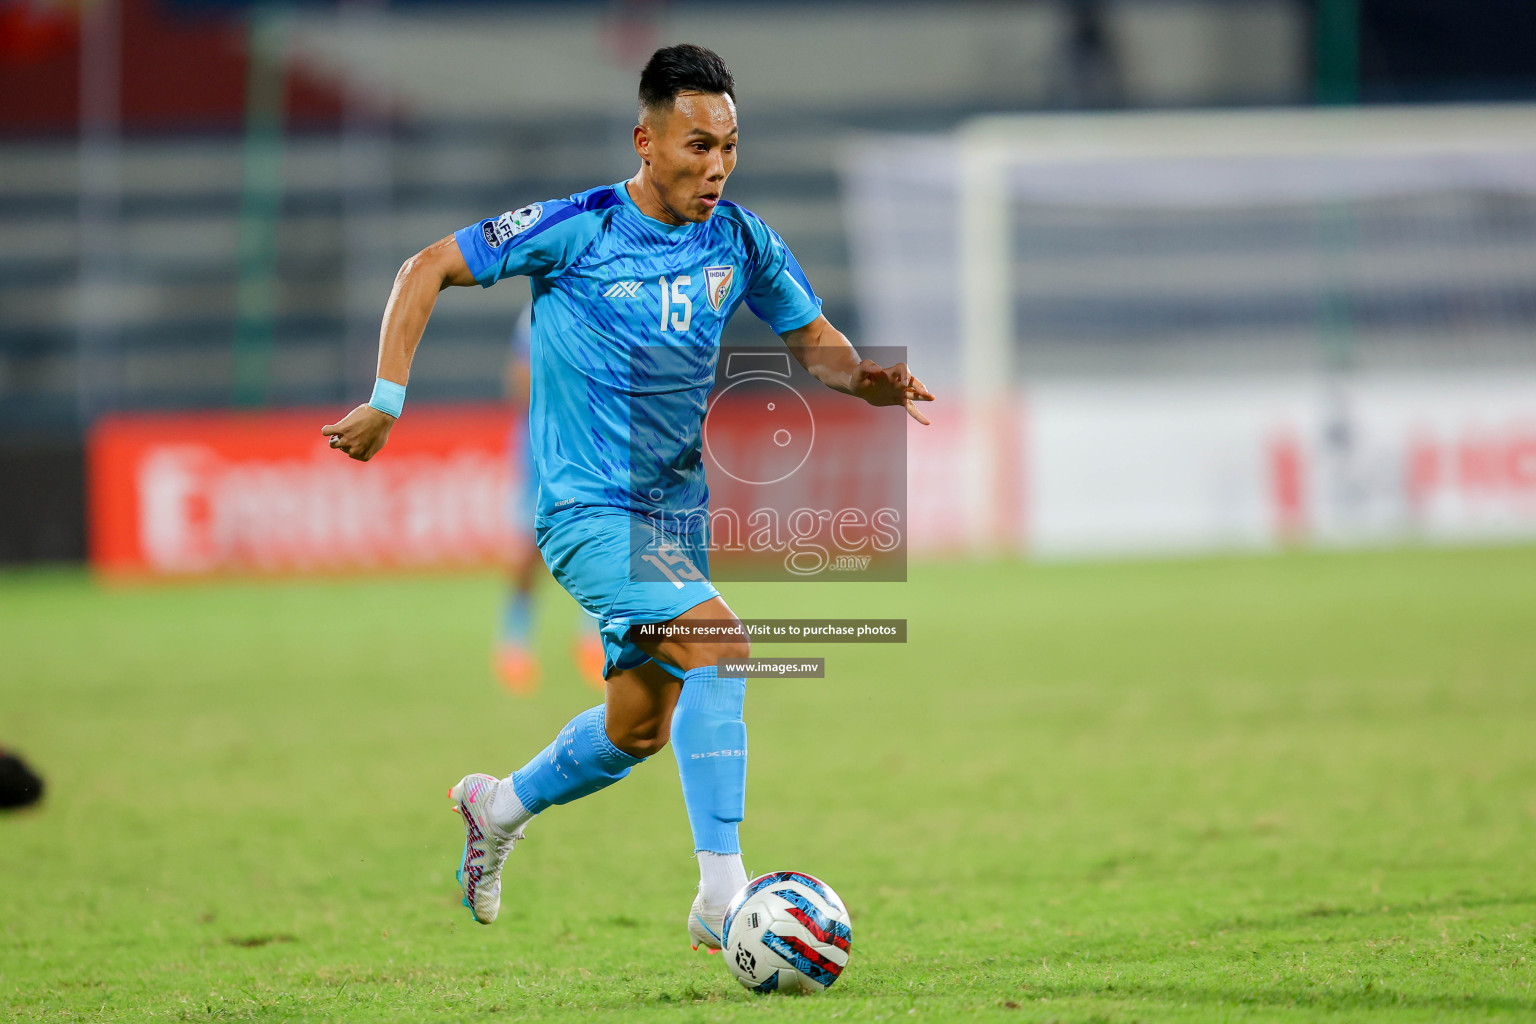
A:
(683, 68)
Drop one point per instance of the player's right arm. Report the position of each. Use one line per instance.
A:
(363, 431)
(540, 239)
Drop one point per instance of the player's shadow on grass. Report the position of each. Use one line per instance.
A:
(1360, 996)
(1325, 911)
(1297, 991)
(1301, 918)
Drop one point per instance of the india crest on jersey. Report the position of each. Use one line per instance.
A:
(717, 285)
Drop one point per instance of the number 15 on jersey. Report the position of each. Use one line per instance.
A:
(673, 296)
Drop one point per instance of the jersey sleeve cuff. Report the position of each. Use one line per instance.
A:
(799, 320)
(475, 257)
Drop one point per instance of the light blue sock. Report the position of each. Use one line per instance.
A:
(517, 618)
(581, 761)
(709, 740)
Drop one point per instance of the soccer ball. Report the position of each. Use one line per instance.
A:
(786, 932)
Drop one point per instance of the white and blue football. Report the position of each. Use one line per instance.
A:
(787, 931)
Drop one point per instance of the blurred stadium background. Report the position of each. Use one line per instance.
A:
(1194, 277)
(1193, 274)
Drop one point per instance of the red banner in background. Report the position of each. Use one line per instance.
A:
(262, 492)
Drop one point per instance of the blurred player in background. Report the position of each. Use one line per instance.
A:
(632, 284)
(20, 786)
(516, 665)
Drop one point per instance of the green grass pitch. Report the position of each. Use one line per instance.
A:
(1294, 788)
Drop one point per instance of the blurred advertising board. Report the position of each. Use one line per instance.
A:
(1186, 464)
(800, 485)
(1070, 469)
(1209, 464)
(220, 492)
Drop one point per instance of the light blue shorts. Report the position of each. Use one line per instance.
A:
(624, 572)
(523, 496)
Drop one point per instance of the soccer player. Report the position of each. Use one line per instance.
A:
(632, 284)
(515, 663)
(20, 786)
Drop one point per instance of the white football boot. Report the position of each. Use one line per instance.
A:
(705, 925)
(485, 846)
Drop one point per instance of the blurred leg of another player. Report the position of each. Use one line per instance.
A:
(587, 653)
(516, 665)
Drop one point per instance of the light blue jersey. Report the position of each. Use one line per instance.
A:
(627, 316)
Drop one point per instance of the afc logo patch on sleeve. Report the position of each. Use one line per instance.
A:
(509, 225)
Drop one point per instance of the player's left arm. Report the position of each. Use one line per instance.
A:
(831, 358)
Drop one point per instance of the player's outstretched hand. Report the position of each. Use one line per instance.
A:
(890, 385)
(361, 433)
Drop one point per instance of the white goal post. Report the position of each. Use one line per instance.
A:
(1197, 159)
(1105, 246)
